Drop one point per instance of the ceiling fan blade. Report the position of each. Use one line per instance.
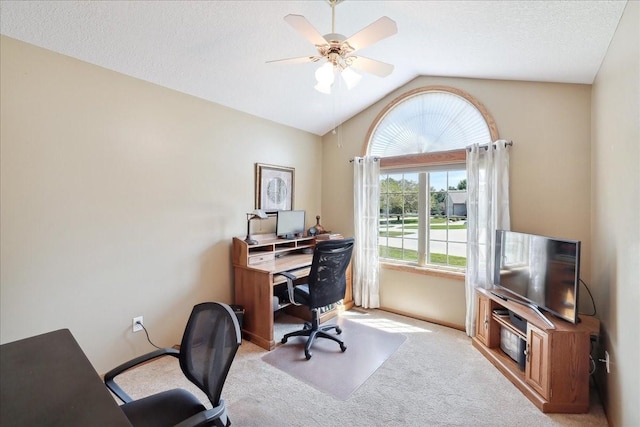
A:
(376, 31)
(381, 69)
(298, 60)
(307, 31)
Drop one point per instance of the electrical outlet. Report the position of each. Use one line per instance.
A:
(137, 327)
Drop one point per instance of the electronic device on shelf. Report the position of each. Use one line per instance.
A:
(514, 346)
(290, 224)
(541, 272)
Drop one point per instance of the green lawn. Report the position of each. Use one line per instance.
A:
(411, 224)
(451, 227)
(410, 255)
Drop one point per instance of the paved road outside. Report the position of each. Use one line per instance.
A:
(411, 240)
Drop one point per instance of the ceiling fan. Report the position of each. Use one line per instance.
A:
(339, 51)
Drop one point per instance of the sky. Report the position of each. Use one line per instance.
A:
(439, 179)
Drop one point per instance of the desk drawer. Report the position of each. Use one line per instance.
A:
(257, 259)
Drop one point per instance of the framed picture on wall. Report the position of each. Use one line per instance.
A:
(274, 187)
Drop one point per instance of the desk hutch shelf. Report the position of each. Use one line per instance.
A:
(256, 277)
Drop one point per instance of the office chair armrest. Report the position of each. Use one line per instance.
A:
(110, 376)
(290, 279)
(219, 414)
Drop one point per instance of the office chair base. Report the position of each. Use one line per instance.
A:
(314, 333)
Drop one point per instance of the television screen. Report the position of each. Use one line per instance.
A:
(544, 271)
(290, 223)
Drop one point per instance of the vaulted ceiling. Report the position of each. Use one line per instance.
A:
(217, 50)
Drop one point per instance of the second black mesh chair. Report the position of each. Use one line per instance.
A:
(209, 345)
(326, 284)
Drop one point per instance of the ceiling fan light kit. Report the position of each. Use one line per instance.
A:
(350, 77)
(326, 75)
(338, 51)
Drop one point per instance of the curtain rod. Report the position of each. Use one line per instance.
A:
(375, 159)
(493, 144)
(485, 146)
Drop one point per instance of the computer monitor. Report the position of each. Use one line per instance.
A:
(290, 223)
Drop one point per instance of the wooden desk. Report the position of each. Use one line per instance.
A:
(256, 269)
(48, 380)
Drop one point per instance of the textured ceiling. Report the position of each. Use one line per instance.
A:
(217, 50)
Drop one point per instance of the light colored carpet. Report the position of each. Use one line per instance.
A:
(435, 378)
(329, 369)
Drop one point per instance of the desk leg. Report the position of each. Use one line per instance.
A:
(254, 291)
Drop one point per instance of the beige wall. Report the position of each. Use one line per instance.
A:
(615, 214)
(549, 173)
(119, 198)
(574, 173)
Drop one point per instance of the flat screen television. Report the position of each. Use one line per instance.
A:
(289, 224)
(542, 271)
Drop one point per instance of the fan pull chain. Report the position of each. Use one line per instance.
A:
(336, 102)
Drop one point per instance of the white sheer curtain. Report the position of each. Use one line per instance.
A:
(487, 211)
(366, 192)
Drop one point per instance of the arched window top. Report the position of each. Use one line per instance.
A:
(428, 120)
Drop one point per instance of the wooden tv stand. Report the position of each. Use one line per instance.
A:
(256, 269)
(556, 375)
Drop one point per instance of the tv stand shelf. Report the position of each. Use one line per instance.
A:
(556, 375)
(505, 322)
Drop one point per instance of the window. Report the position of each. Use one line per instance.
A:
(442, 241)
(421, 139)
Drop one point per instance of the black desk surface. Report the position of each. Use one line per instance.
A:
(48, 380)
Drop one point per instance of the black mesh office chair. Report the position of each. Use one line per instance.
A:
(209, 344)
(326, 284)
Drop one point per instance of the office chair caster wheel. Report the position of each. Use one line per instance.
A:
(283, 340)
(343, 347)
(338, 330)
(307, 354)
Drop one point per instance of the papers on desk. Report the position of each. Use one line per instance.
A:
(329, 236)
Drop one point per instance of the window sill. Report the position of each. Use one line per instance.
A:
(423, 270)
